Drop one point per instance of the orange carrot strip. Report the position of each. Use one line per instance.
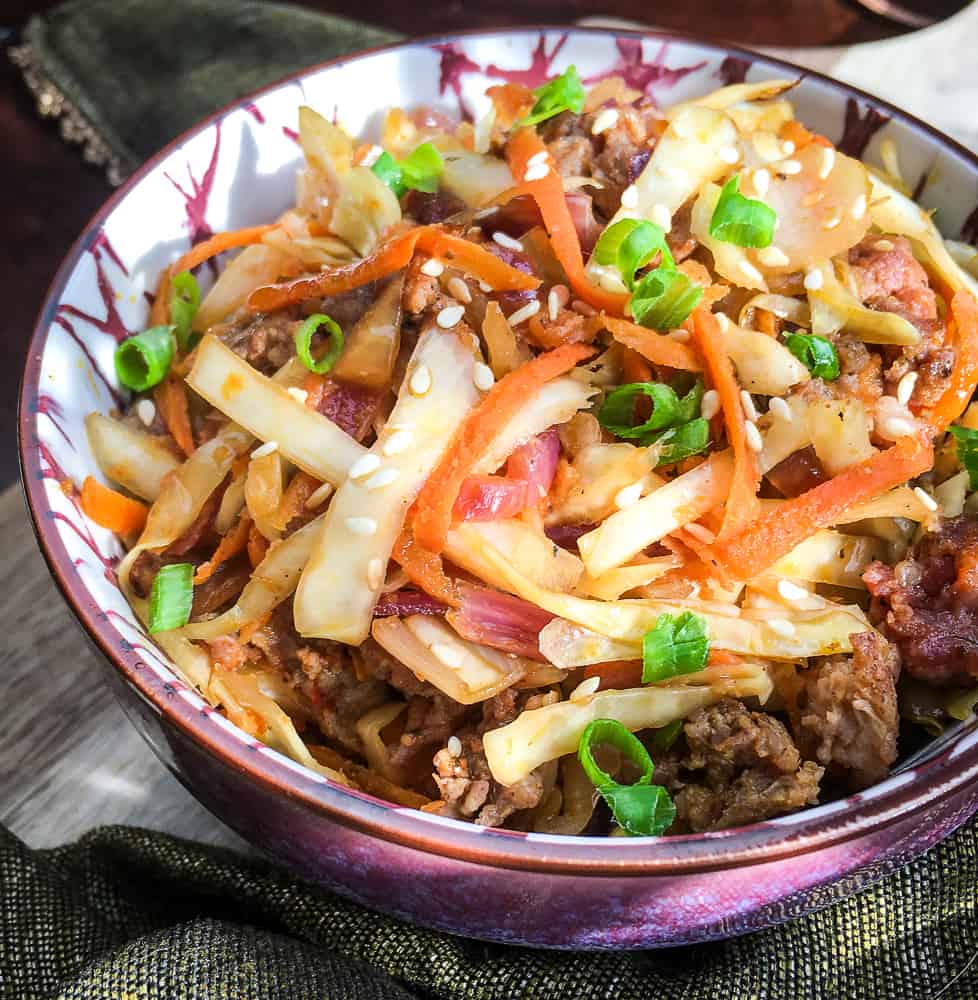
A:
(218, 243)
(964, 378)
(616, 674)
(654, 347)
(475, 260)
(257, 545)
(424, 569)
(230, 545)
(433, 507)
(794, 131)
(111, 509)
(635, 368)
(765, 540)
(174, 409)
(742, 503)
(722, 658)
(548, 193)
(159, 312)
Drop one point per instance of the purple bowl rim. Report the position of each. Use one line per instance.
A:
(935, 780)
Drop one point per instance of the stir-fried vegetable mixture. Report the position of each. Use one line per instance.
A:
(595, 468)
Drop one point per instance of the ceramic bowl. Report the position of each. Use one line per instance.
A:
(236, 169)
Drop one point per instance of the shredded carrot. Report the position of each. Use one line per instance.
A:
(424, 569)
(964, 379)
(511, 101)
(475, 260)
(218, 243)
(159, 313)
(433, 507)
(548, 193)
(111, 509)
(257, 545)
(174, 409)
(315, 389)
(722, 658)
(301, 487)
(794, 131)
(742, 503)
(766, 539)
(616, 674)
(655, 347)
(230, 545)
(635, 368)
(248, 631)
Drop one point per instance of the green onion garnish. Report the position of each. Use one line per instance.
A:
(184, 303)
(421, 171)
(171, 598)
(664, 737)
(562, 93)
(663, 299)
(668, 410)
(816, 353)
(303, 343)
(630, 244)
(967, 440)
(678, 644)
(744, 222)
(641, 809)
(682, 442)
(143, 361)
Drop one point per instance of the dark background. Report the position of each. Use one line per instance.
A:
(48, 193)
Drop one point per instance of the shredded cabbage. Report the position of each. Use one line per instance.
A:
(135, 459)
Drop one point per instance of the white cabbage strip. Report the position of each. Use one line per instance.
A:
(764, 365)
(830, 557)
(135, 459)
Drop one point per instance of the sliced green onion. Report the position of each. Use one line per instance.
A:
(678, 644)
(387, 169)
(816, 353)
(967, 440)
(303, 343)
(143, 361)
(663, 299)
(421, 171)
(682, 442)
(744, 222)
(668, 410)
(171, 598)
(562, 93)
(664, 737)
(629, 245)
(641, 809)
(184, 303)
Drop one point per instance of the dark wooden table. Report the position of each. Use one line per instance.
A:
(47, 193)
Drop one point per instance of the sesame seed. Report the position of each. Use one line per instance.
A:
(454, 746)
(729, 154)
(883, 246)
(432, 267)
(483, 377)
(814, 280)
(269, 448)
(905, 388)
(484, 213)
(680, 336)
(318, 496)
(451, 655)
(537, 158)
(524, 313)
(585, 689)
(460, 289)
(701, 533)
(749, 271)
(629, 197)
(761, 179)
(747, 401)
(375, 574)
(382, 478)
(485, 286)
(475, 343)
(781, 626)
(893, 428)
(146, 411)
(299, 395)
(557, 298)
(787, 147)
(628, 495)
(420, 380)
(772, 256)
(832, 223)
(753, 435)
(925, 498)
(780, 408)
(583, 308)
(363, 526)
(397, 443)
(449, 316)
(508, 242)
(789, 167)
(604, 120)
(662, 217)
(791, 591)
(537, 172)
(710, 405)
(828, 162)
(859, 207)
(364, 466)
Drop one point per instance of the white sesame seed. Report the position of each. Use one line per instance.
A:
(680, 336)
(710, 406)
(585, 689)
(557, 298)
(460, 289)
(364, 466)
(781, 626)
(318, 496)
(814, 280)
(761, 179)
(753, 435)
(828, 162)
(859, 207)
(397, 443)
(701, 533)
(749, 271)
(485, 286)
(506, 241)
(382, 478)
(375, 574)
(524, 313)
(268, 448)
(729, 154)
(299, 395)
(583, 308)
(628, 495)
(536, 172)
(791, 591)
(629, 197)
(475, 343)
(787, 147)
(772, 256)
(925, 498)
(454, 746)
(484, 213)
(747, 401)
(363, 526)
(483, 377)
(537, 158)
(832, 223)
(905, 388)
(482, 133)
(662, 217)
(449, 316)
(883, 246)
(432, 267)
(604, 120)
(146, 411)
(420, 380)
(789, 167)
(780, 408)
(449, 654)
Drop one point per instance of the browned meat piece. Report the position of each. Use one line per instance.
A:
(421, 291)
(267, 342)
(740, 767)
(351, 407)
(430, 720)
(798, 473)
(860, 371)
(202, 524)
(426, 208)
(846, 716)
(568, 328)
(222, 588)
(928, 603)
(277, 639)
(230, 655)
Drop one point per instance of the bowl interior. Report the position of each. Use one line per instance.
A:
(237, 169)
